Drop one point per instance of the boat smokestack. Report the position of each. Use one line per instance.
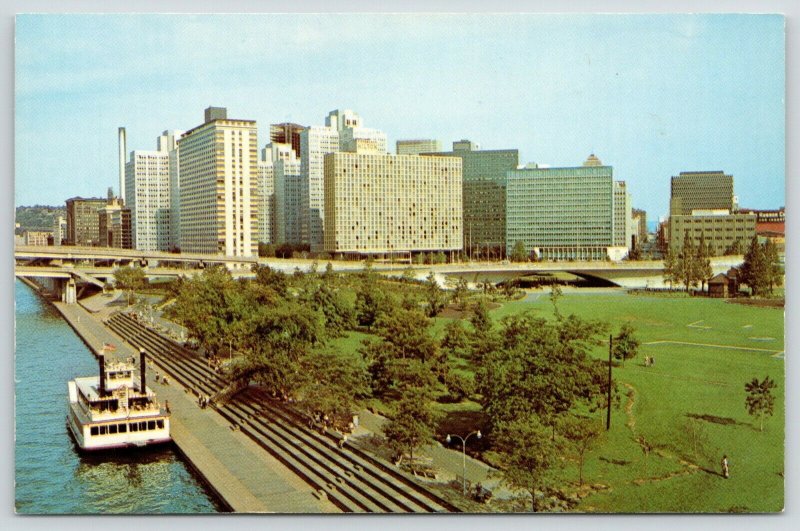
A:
(142, 370)
(122, 149)
(102, 389)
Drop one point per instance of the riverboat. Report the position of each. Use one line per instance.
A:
(113, 410)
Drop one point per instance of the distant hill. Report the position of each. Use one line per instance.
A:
(37, 217)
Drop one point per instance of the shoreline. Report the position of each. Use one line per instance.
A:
(230, 489)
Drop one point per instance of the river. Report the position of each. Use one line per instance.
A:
(51, 476)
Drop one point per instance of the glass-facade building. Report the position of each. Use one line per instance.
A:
(566, 213)
(483, 196)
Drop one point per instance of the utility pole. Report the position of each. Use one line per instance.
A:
(608, 414)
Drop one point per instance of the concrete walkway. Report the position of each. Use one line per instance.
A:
(244, 476)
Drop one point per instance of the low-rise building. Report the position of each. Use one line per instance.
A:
(722, 231)
(38, 237)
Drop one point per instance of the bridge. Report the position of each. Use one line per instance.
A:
(71, 269)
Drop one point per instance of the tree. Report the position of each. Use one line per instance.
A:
(760, 402)
(330, 383)
(542, 367)
(370, 303)
(555, 295)
(702, 263)
(130, 279)
(518, 254)
(582, 433)
(670, 267)
(460, 292)
(339, 315)
(527, 454)
(455, 341)
(625, 344)
(414, 422)
(774, 270)
(434, 296)
(685, 265)
(754, 271)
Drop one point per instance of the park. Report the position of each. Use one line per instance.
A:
(679, 404)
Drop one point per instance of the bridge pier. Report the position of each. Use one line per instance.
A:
(69, 292)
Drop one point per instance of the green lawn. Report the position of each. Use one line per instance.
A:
(690, 389)
(693, 388)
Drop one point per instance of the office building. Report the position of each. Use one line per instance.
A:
(289, 213)
(382, 204)
(286, 133)
(149, 188)
(115, 224)
(639, 225)
(38, 237)
(723, 232)
(218, 168)
(82, 220)
(59, 230)
(701, 190)
(623, 218)
(272, 153)
(484, 196)
(417, 147)
(570, 213)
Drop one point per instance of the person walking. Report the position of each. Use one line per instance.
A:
(725, 471)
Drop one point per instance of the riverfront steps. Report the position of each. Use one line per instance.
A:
(243, 476)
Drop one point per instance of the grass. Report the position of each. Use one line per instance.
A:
(692, 388)
(694, 384)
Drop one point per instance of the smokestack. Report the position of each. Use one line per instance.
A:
(122, 150)
(102, 389)
(142, 370)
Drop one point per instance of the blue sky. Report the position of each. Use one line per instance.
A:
(650, 95)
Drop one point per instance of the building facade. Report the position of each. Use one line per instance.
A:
(570, 213)
(722, 231)
(701, 190)
(37, 237)
(83, 226)
(417, 146)
(218, 167)
(289, 214)
(148, 182)
(272, 153)
(484, 195)
(623, 218)
(287, 133)
(115, 224)
(639, 225)
(315, 143)
(59, 230)
(382, 204)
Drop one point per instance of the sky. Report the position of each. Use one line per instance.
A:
(650, 95)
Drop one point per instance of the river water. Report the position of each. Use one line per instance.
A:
(51, 476)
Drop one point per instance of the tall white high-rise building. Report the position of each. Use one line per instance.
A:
(272, 153)
(343, 131)
(623, 216)
(315, 143)
(218, 170)
(289, 213)
(148, 193)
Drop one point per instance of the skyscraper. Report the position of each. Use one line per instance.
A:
(289, 214)
(701, 190)
(484, 195)
(149, 193)
(377, 203)
(343, 131)
(286, 133)
(567, 213)
(82, 220)
(218, 167)
(417, 146)
(272, 153)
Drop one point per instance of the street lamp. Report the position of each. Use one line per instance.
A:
(464, 454)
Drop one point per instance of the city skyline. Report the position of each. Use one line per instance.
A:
(556, 87)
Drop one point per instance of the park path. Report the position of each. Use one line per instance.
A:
(713, 345)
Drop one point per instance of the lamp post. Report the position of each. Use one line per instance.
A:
(464, 455)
